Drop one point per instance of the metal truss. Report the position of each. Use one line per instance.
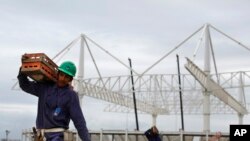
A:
(159, 93)
(213, 87)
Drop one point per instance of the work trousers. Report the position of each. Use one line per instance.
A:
(54, 136)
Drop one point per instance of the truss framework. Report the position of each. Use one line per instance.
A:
(159, 93)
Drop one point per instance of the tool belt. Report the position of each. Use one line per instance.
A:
(39, 134)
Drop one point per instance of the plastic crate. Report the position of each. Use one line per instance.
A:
(39, 67)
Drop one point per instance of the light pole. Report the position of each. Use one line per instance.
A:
(7, 133)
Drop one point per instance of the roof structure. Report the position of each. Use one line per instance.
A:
(158, 94)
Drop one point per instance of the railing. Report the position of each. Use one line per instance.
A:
(125, 135)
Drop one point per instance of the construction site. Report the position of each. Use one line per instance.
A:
(201, 90)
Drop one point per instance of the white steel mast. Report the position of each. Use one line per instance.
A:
(80, 74)
(206, 95)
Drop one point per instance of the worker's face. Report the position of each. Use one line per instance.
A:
(155, 130)
(63, 79)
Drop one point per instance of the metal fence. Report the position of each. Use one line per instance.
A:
(124, 135)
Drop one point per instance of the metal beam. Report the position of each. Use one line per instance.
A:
(215, 88)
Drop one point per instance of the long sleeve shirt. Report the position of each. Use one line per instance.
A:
(56, 106)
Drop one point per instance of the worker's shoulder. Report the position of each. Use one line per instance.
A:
(72, 92)
(72, 95)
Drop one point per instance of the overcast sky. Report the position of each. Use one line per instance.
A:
(143, 30)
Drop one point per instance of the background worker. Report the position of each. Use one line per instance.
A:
(57, 104)
(215, 137)
(152, 134)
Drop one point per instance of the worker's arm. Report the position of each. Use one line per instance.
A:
(148, 133)
(78, 118)
(28, 86)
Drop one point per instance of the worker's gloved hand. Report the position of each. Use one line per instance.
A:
(20, 72)
(25, 56)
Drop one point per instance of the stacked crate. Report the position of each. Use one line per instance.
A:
(39, 67)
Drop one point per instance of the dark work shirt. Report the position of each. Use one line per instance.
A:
(152, 137)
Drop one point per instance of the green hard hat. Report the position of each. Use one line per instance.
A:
(68, 67)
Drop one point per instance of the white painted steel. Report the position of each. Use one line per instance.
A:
(118, 91)
(207, 68)
(157, 94)
(214, 88)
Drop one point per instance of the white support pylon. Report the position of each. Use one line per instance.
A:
(80, 74)
(206, 102)
(154, 117)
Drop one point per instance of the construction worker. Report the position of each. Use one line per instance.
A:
(215, 137)
(152, 134)
(57, 104)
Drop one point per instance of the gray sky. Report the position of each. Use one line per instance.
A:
(143, 30)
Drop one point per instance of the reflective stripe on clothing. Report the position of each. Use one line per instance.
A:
(52, 130)
(45, 133)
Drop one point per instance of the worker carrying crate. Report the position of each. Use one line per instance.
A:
(58, 103)
(39, 67)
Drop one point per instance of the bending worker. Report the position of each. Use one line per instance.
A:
(57, 104)
(152, 134)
